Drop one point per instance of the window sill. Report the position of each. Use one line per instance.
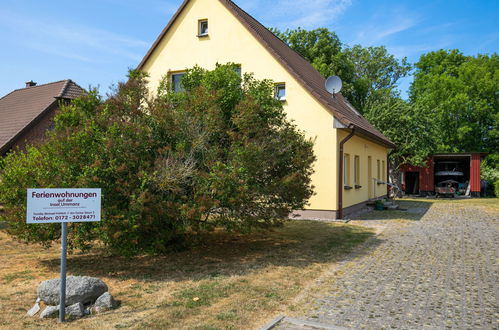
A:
(357, 186)
(202, 35)
(347, 187)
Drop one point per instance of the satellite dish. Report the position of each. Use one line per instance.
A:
(333, 84)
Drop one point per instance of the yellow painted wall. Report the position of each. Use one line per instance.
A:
(230, 41)
(358, 146)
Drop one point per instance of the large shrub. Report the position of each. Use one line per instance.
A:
(172, 165)
(489, 171)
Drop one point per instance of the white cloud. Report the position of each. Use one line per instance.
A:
(292, 14)
(380, 30)
(71, 41)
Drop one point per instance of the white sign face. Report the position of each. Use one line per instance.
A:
(63, 205)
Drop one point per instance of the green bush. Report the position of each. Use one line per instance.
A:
(489, 171)
(170, 165)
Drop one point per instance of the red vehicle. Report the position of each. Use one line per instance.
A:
(446, 188)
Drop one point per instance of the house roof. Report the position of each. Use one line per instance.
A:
(299, 67)
(21, 108)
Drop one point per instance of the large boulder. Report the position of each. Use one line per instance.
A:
(79, 289)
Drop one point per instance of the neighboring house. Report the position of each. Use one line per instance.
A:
(206, 32)
(462, 169)
(27, 113)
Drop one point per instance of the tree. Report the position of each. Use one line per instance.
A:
(367, 73)
(405, 125)
(375, 74)
(459, 93)
(172, 165)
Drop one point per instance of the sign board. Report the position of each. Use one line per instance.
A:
(63, 205)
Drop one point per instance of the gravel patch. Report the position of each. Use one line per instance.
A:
(440, 272)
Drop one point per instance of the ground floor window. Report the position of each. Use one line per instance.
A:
(356, 171)
(378, 170)
(176, 79)
(346, 170)
(383, 168)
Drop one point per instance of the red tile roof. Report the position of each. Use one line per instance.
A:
(22, 107)
(300, 68)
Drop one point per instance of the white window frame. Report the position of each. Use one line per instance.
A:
(278, 87)
(172, 75)
(201, 22)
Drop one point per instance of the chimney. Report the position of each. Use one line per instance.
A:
(30, 83)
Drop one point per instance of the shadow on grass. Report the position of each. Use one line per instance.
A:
(412, 210)
(297, 244)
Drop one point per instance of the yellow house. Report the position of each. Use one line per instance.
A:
(351, 154)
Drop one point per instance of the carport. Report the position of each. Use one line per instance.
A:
(462, 168)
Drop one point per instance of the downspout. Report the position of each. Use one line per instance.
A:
(340, 175)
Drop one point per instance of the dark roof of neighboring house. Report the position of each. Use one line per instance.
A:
(299, 67)
(22, 108)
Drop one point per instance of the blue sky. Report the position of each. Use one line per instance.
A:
(94, 42)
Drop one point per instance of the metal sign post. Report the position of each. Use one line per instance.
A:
(63, 205)
(62, 294)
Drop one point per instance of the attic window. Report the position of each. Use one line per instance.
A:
(280, 92)
(203, 28)
(176, 79)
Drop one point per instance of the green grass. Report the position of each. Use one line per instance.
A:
(205, 293)
(24, 275)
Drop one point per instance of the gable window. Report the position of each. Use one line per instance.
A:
(176, 79)
(280, 92)
(203, 28)
(356, 171)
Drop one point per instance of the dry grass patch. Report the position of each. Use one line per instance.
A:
(230, 282)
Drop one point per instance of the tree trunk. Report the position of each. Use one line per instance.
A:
(394, 178)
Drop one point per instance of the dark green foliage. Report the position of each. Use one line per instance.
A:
(367, 73)
(453, 103)
(408, 128)
(370, 76)
(171, 166)
(459, 93)
(489, 171)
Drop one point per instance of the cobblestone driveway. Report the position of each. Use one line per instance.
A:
(439, 272)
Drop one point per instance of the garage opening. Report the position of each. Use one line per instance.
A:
(453, 171)
(412, 183)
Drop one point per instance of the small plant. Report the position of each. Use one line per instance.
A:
(378, 205)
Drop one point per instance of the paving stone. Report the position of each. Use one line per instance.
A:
(438, 272)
